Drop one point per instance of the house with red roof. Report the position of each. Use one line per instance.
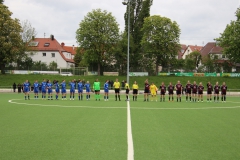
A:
(181, 52)
(189, 49)
(48, 50)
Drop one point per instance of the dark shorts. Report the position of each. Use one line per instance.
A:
(127, 91)
(189, 91)
(96, 91)
(135, 91)
(162, 93)
(146, 90)
(179, 92)
(200, 92)
(170, 92)
(209, 92)
(224, 93)
(194, 92)
(117, 90)
(216, 92)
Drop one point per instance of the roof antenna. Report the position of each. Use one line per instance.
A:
(44, 34)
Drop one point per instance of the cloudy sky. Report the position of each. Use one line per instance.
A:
(200, 21)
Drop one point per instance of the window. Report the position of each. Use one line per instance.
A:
(44, 54)
(223, 56)
(46, 44)
(53, 54)
(33, 44)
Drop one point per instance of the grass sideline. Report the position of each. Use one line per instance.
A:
(7, 80)
(37, 129)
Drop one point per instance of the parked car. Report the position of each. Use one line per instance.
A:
(66, 74)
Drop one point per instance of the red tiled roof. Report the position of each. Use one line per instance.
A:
(216, 50)
(53, 46)
(70, 49)
(207, 48)
(195, 48)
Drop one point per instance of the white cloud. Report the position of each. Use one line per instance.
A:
(199, 20)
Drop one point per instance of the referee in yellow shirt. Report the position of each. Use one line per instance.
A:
(135, 90)
(127, 90)
(116, 86)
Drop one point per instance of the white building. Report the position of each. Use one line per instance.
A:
(48, 50)
(190, 49)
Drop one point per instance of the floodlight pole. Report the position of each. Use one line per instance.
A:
(125, 2)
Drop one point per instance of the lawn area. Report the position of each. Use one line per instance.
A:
(97, 130)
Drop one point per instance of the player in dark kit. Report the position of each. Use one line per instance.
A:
(162, 92)
(194, 91)
(170, 91)
(188, 91)
(200, 91)
(216, 92)
(224, 91)
(146, 90)
(209, 92)
(179, 91)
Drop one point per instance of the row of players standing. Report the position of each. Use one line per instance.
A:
(193, 91)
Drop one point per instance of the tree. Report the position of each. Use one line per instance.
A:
(139, 10)
(1, 1)
(28, 32)
(25, 63)
(10, 38)
(160, 40)
(53, 65)
(98, 35)
(229, 40)
(195, 56)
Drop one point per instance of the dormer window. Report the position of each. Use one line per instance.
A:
(46, 44)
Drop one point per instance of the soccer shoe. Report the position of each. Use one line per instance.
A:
(105, 100)
(73, 99)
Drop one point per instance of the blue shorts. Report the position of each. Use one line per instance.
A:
(87, 90)
(64, 91)
(26, 90)
(80, 91)
(57, 90)
(72, 91)
(49, 90)
(35, 91)
(106, 90)
(44, 91)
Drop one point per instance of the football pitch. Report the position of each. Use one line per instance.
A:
(102, 130)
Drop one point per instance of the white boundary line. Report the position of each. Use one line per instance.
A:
(130, 155)
(128, 104)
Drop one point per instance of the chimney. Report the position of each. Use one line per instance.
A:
(52, 37)
(73, 47)
(33, 37)
(62, 44)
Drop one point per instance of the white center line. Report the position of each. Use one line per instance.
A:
(130, 155)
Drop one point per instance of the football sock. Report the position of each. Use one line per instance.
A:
(133, 98)
(190, 98)
(224, 98)
(107, 97)
(177, 99)
(160, 99)
(73, 97)
(81, 97)
(169, 98)
(25, 97)
(214, 98)
(172, 98)
(217, 98)
(210, 99)
(180, 99)
(104, 97)
(163, 99)
(119, 97)
(186, 98)
(116, 97)
(127, 97)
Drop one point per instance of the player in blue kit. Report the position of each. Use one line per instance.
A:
(72, 89)
(56, 89)
(49, 87)
(26, 89)
(44, 89)
(63, 90)
(88, 90)
(80, 89)
(106, 90)
(35, 89)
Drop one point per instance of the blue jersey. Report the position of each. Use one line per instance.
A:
(72, 86)
(49, 87)
(80, 87)
(44, 85)
(87, 85)
(26, 87)
(57, 87)
(63, 85)
(36, 87)
(106, 87)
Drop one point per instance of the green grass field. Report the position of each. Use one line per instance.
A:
(97, 130)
